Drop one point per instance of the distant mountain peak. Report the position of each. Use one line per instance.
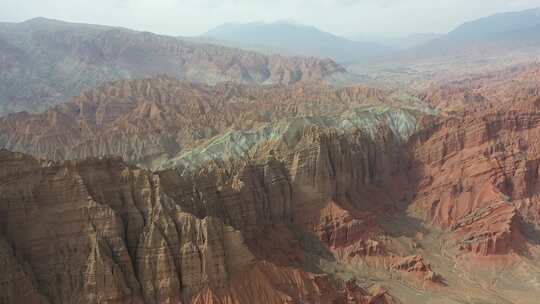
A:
(293, 38)
(498, 23)
(43, 20)
(49, 23)
(40, 19)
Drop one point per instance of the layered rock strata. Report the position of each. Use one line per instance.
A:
(243, 212)
(166, 237)
(148, 121)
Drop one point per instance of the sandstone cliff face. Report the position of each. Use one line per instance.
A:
(203, 232)
(478, 169)
(165, 238)
(98, 231)
(62, 59)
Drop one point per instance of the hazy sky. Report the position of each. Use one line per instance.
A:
(192, 17)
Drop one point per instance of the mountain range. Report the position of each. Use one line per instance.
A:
(295, 39)
(497, 33)
(489, 43)
(514, 30)
(46, 61)
(138, 168)
(289, 194)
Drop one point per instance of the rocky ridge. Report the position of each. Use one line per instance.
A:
(150, 120)
(342, 193)
(138, 236)
(477, 165)
(44, 62)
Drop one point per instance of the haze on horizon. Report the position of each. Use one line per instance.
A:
(368, 18)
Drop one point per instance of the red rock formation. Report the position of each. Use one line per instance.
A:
(270, 284)
(115, 226)
(230, 231)
(489, 90)
(138, 236)
(147, 120)
(337, 227)
(417, 265)
(478, 169)
(348, 233)
(489, 230)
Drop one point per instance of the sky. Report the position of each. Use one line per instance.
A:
(378, 18)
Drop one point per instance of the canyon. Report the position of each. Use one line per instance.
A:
(143, 168)
(157, 190)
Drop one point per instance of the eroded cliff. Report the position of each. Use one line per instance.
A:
(302, 194)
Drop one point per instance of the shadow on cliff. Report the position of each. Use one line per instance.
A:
(530, 232)
(258, 199)
(255, 199)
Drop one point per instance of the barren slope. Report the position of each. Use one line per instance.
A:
(56, 60)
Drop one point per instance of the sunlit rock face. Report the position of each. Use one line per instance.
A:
(479, 168)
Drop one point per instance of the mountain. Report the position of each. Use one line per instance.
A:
(101, 231)
(489, 35)
(155, 188)
(287, 194)
(296, 39)
(223, 219)
(499, 24)
(46, 61)
(486, 44)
